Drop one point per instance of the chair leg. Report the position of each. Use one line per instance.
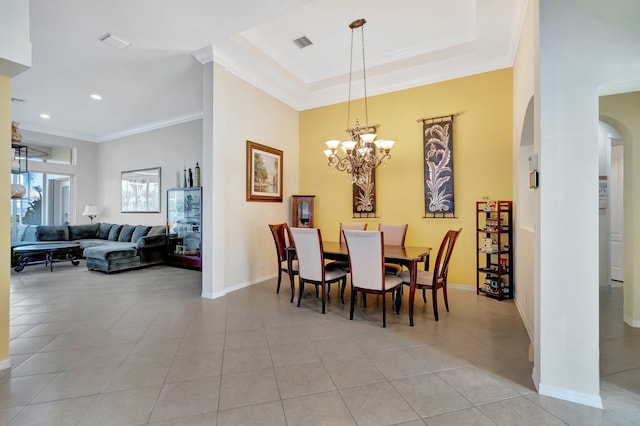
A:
(293, 286)
(317, 292)
(344, 285)
(324, 296)
(446, 299)
(353, 301)
(424, 295)
(279, 279)
(300, 290)
(434, 296)
(384, 310)
(364, 300)
(398, 303)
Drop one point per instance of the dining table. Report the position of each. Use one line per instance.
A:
(408, 256)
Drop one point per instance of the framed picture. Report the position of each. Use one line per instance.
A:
(264, 173)
(141, 191)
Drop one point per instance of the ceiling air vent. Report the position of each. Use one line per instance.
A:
(302, 42)
(113, 41)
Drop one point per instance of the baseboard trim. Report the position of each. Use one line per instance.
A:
(523, 317)
(535, 376)
(568, 395)
(216, 295)
(5, 363)
(462, 287)
(633, 323)
(236, 287)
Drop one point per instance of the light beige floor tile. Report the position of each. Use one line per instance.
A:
(377, 404)
(130, 407)
(575, 414)
(195, 365)
(248, 359)
(43, 362)
(200, 343)
(519, 411)
(71, 384)
(429, 395)
(269, 413)
(291, 353)
(477, 385)
(287, 334)
(208, 419)
(440, 357)
(469, 416)
(303, 379)
(16, 391)
(398, 363)
(72, 340)
(28, 345)
(336, 347)
(136, 373)
(319, 409)
(6, 414)
(50, 329)
(245, 339)
(99, 357)
(65, 412)
(188, 398)
(255, 387)
(118, 336)
(353, 371)
(18, 330)
(16, 360)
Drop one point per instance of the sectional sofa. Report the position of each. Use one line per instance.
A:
(106, 247)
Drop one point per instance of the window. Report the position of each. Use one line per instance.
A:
(47, 201)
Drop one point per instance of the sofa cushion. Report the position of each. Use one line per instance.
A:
(110, 251)
(157, 230)
(114, 232)
(52, 233)
(126, 232)
(103, 230)
(29, 233)
(140, 232)
(81, 232)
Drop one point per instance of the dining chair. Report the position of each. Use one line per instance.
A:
(437, 278)
(366, 257)
(394, 235)
(311, 266)
(344, 265)
(280, 234)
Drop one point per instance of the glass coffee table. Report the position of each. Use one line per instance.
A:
(47, 254)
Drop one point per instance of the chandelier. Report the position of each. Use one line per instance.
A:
(361, 153)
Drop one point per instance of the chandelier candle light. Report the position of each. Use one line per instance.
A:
(361, 154)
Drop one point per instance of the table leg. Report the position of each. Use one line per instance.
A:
(49, 257)
(413, 272)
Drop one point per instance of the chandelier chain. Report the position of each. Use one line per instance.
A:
(364, 77)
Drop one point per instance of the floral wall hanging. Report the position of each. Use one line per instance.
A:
(438, 167)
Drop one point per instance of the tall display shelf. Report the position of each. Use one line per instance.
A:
(494, 244)
(184, 227)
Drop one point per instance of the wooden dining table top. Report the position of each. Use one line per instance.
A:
(336, 251)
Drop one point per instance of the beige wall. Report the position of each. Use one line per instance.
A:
(169, 148)
(242, 112)
(482, 160)
(5, 263)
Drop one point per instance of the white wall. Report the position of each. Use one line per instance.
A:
(242, 112)
(169, 148)
(15, 40)
(526, 199)
(82, 170)
(583, 46)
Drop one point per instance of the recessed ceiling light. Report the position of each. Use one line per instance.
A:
(96, 97)
(45, 116)
(113, 41)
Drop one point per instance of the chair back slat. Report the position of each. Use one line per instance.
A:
(278, 231)
(441, 267)
(308, 244)
(351, 227)
(366, 258)
(394, 235)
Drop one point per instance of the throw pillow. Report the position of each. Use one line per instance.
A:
(80, 232)
(126, 232)
(140, 232)
(158, 230)
(103, 230)
(52, 233)
(114, 232)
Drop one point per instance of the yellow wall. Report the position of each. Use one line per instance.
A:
(5, 165)
(482, 160)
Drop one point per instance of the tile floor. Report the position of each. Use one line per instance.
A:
(142, 347)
